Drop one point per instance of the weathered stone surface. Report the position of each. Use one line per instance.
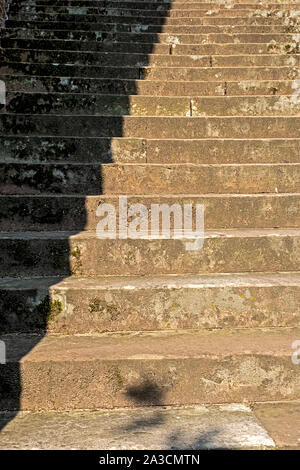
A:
(151, 127)
(154, 368)
(282, 420)
(84, 254)
(154, 303)
(166, 102)
(185, 428)
(73, 212)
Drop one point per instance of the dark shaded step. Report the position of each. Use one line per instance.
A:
(127, 20)
(85, 45)
(62, 70)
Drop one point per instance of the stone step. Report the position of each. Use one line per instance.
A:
(210, 38)
(79, 178)
(138, 150)
(150, 127)
(144, 369)
(90, 305)
(74, 212)
(176, 3)
(146, 87)
(23, 33)
(85, 104)
(170, 53)
(91, 7)
(83, 254)
(127, 20)
(143, 60)
(173, 13)
(235, 426)
(162, 74)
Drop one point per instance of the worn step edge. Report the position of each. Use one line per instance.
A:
(186, 367)
(84, 254)
(110, 303)
(221, 211)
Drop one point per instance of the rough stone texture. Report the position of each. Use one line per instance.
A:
(156, 303)
(188, 103)
(154, 368)
(282, 421)
(191, 428)
(83, 254)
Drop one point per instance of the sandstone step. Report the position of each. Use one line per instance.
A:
(83, 254)
(163, 74)
(23, 33)
(176, 3)
(151, 50)
(138, 369)
(84, 7)
(235, 426)
(138, 105)
(146, 87)
(139, 150)
(165, 38)
(89, 71)
(82, 25)
(126, 59)
(144, 60)
(95, 33)
(84, 45)
(71, 178)
(150, 127)
(73, 306)
(179, 13)
(78, 212)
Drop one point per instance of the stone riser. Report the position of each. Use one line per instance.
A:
(143, 60)
(149, 369)
(224, 211)
(127, 20)
(166, 74)
(147, 13)
(119, 105)
(26, 178)
(134, 304)
(66, 33)
(91, 7)
(151, 127)
(143, 48)
(145, 87)
(175, 3)
(85, 255)
(130, 150)
(213, 38)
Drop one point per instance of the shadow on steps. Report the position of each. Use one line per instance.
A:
(25, 255)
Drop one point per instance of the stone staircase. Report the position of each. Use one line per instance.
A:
(183, 102)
